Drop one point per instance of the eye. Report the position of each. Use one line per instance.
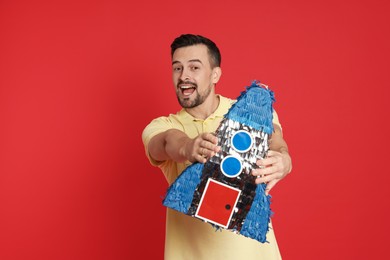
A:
(177, 69)
(195, 68)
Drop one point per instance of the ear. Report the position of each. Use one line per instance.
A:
(216, 74)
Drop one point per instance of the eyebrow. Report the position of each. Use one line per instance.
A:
(193, 60)
(196, 60)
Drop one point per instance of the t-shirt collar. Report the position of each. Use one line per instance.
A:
(222, 109)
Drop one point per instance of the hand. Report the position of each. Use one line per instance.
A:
(201, 148)
(272, 169)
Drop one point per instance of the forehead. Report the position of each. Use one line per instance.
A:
(189, 53)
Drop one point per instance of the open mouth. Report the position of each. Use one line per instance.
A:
(187, 89)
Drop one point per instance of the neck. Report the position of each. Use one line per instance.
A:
(205, 109)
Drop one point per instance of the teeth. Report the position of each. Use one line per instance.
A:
(186, 87)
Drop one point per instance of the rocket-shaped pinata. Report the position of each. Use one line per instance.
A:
(223, 191)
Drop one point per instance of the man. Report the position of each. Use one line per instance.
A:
(174, 142)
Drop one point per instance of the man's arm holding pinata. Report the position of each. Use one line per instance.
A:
(175, 145)
(277, 164)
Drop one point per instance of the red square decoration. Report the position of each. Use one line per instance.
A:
(217, 203)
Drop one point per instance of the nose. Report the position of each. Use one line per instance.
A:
(184, 76)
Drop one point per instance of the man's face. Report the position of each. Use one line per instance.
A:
(192, 75)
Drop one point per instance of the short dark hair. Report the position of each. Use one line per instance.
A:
(185, 40)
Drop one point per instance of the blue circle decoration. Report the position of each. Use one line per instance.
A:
(231, 166)
(242, 141)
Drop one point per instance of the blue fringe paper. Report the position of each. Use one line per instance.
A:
(180, 193)
(256, 223)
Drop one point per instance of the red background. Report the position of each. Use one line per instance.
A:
(79, 80)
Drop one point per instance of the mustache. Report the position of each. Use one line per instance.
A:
(186, 83)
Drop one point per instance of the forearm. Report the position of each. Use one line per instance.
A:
(177, 146)
(169, 145)
(278, 144)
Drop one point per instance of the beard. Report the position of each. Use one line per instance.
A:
(186, 102)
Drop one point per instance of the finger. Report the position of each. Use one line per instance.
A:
(272, 153)
(270, 185)
(203, 152)
(265, 171)
(210, 146)
(210, 137)
(200, 158)
(265, 179)
(267, 161)
(210, 153)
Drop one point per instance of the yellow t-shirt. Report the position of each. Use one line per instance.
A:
(190, 238)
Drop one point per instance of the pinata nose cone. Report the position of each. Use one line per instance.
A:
(254, 108)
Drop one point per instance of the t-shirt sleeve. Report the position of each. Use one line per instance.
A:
(157, 126)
